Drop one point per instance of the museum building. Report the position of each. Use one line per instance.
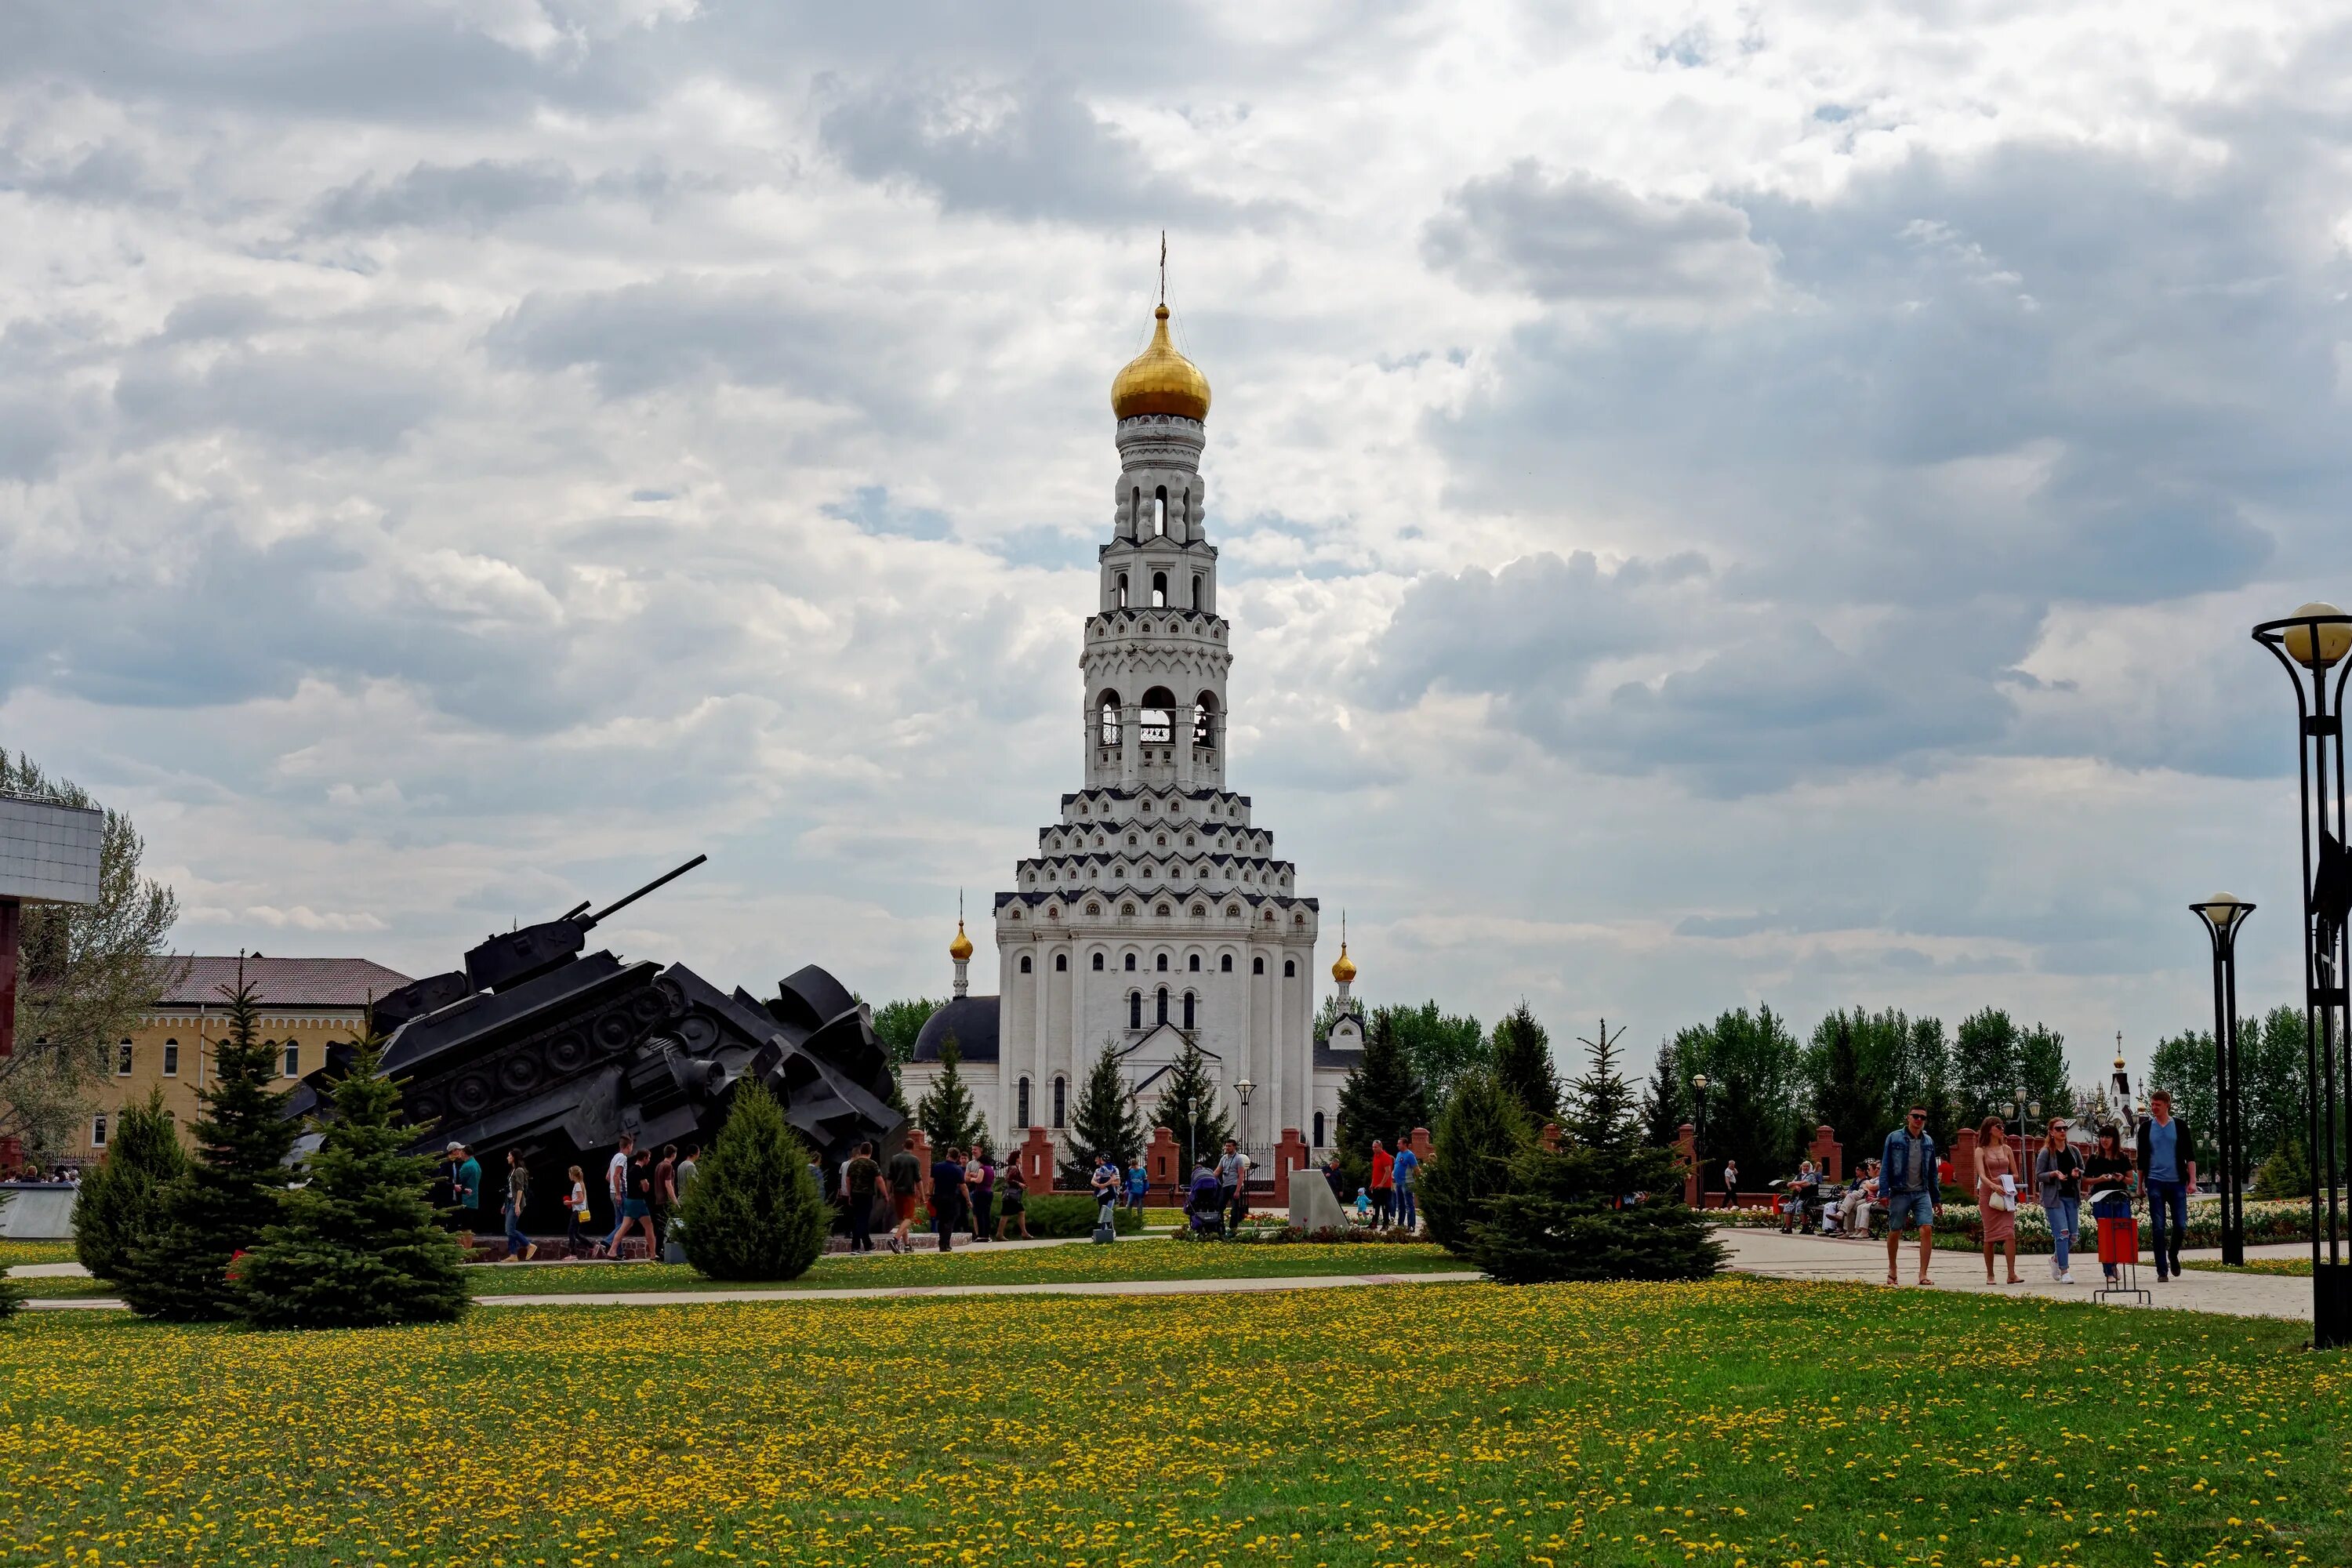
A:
(1155, 909)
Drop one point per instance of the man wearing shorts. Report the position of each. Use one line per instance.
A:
(1906, 1184)
(905, 1174)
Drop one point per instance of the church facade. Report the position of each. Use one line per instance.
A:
(1155, 908)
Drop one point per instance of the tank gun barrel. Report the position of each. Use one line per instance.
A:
(662, 880)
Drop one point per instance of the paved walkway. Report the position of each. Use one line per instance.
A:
(1767, 1252)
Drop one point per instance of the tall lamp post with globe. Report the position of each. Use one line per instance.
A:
(1698, 1140)
(2223, 913)
(2309, 644)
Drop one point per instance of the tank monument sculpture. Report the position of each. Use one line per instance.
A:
(540, 1046)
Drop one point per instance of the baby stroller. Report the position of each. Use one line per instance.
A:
(1203, 1204)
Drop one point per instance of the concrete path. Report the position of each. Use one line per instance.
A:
(1767, 1252)
(1070, 1288)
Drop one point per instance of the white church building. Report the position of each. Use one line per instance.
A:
(1155, 908)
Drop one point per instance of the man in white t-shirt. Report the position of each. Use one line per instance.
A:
(616, 1184)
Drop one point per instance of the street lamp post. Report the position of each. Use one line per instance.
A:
(1698, 1141)
(2223, 913)
(2308, 644)
(1245, 1088)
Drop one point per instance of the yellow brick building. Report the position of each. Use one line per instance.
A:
(307, 1003)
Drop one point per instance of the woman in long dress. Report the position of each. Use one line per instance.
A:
(1997, 1199)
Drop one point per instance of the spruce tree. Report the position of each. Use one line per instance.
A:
(360, 1243)
(1523, 1063)
(121, 1203)
(1191, 1109)
(1483, 1129)
(754, 1211)
(1608, 1206)
(1105, 1122)
(220, 1207)
(1381, 1099)
(1602, 1111)
(946, 1114)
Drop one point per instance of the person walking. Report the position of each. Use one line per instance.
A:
(466, 1187)
(981, 1180)
(2107, 1177)
(2058, 1175)
(947, 1196)
(637, 1206)
(905, 1174)
(1731, 1184)
(1382, 1186)
(1237, 1211)
(1013, 1206)
(2167, 1162)
(1906, 1182)
(1139, 1186)
(1335, 1178)
(689, 1165)
(665, 1192)
(858, 1180)
(520, 1249)
(1105, 1182)
(1402, 1173)
(1229, 1168)
(1996, 1189)
(616, 1187)
(576, 1241)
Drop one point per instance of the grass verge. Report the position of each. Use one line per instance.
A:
(1739, 1420)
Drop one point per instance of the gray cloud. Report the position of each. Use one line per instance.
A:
(1030, 150)
(1575, 236)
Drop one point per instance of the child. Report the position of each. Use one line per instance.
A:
(1363, 1206)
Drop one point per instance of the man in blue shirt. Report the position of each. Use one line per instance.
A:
(2168, 1166)
(1400, 1175)
(465, 1185)
(1906, 1184)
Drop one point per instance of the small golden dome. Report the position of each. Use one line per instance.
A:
(1344, 971)
(960, 949)
(1161, 381)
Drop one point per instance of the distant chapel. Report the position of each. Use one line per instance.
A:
(1154, 909)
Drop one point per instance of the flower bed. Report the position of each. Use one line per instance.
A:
(1267, 1235)
(1956, 1230)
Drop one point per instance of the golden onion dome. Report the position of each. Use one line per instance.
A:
(1161, 381)
(960, 949)
(1344, 971)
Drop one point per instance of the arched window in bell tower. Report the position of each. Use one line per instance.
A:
(1205, 720)
(1160, 513)
(1122, 590)
(1159, 718)
(1109, 709)
(1160, 590)
(1196, 592)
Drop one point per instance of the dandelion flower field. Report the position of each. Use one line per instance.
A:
(1735, 1423)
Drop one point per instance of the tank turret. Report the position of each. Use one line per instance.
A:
(503, 962)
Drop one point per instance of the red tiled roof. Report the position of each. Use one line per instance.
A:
(280, 981)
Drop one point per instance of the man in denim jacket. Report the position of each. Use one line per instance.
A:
(1906, 1184)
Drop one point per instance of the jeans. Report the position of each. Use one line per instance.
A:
(2065, 1214)
(1383, 1198)
(1407, 1214)
(2163, 1196)
(517, 1242)
(861, 1221)
(983, 1215)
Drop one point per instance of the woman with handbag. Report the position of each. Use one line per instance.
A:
(576, 1240)
(2107, 1177)
(1996, 1194)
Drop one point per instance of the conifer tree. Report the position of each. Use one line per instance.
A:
(358, 1244)
(754, 1211)
(1523, 1065)
(946, 1114)
(1481, 1131)
(1381, 1099)
(1607, 1209)
(121, 1203)
(1192, 1109)
(1105, 1122)
(219, 1207)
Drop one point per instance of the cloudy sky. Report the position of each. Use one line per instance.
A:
(1718, 503)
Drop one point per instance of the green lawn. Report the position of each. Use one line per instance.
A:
(13, 1253)
(969, 1265)
(1742, 1421)
(2293, 1268)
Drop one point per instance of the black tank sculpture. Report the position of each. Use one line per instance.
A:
(538, 1046)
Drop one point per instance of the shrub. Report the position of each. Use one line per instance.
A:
(1073, 1213)
(359, 1245)
(2285, 1174)
(122, 1202)
(1484, 1129)
(1565, 1218)
(754, 1212)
